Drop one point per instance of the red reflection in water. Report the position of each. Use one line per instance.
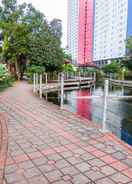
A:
(84, 105)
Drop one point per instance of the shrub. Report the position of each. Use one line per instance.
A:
(5, 78)
(34, 69)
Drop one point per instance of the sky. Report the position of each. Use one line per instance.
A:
(53, 9)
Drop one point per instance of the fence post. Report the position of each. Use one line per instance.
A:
(37, 81)
(40, 86)
(34, 82)
(106, 89)
(46, 79)
(62, 90)
(94, 76)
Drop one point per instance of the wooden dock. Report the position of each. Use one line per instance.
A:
(70, 84)
(123, 83)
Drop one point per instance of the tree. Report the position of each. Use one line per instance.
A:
(45, 51)
(27, 36)
(113, 67)
(56, 28)
(14, 33)
(129, 46)
(127, 62)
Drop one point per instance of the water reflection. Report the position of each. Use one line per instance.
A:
(119, 113)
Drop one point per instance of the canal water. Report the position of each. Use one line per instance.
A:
(119, 112)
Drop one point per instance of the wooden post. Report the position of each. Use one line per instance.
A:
(40, 86)
(37, 80)
(34, 82)
(94, 76)
(106, 89)
(46, 79)
(62, 90)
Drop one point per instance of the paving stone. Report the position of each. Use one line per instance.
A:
(26, 165)
(94, 175)
(62, 182)
(54, 157)
(40, 161)
(28, 173)
(105, 181)
(107, 170)
(119, 166)
(118, 155)
(21, 182)
(62, 163)
(46, 168)
(128, 172)
(83, 167)
(80, 179)
(96, 162)
(66, 154)
(87, 156)
(128, 162)
(70, 171)
(38, 180)
(13, 178)
(54, 175)
(118, 177)
(11, 169)
(74, 160)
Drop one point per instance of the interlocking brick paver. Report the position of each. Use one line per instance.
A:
(119, 166)
(105, 181)
(38, 180)
(26, 164)
(48, 145)
(128, 173)
(14, 177)
(62, 163)
(70, 170)
(94, 175)
(80, 179)
(29, 173)
(118, 177)
(54, 175)
(96, 162)
(40, 161)
(83, 167)
(46, 168)
(107, 170)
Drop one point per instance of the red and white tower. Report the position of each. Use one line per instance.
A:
(85, 32)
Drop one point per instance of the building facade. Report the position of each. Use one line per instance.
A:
(72, 38)
(80, 30)
(110, 30)
(85, 32)
(98, 29)
(129, 19)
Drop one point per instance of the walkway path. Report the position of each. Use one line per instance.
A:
(47, 145)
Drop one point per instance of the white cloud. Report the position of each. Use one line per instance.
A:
(53, 9)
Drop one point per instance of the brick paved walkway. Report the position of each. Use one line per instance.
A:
(47, 145)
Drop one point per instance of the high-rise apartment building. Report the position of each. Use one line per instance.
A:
(110, 30)
(80, 29)
(98, 29)
(85, 32)
(72, 38)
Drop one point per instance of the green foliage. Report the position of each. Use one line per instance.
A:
(68, 68)
(128, 64)
(27, 36)
(31, 69)
(129, 46)
(35, 69)
(45, 51)
(113, 67)
(5, 78)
